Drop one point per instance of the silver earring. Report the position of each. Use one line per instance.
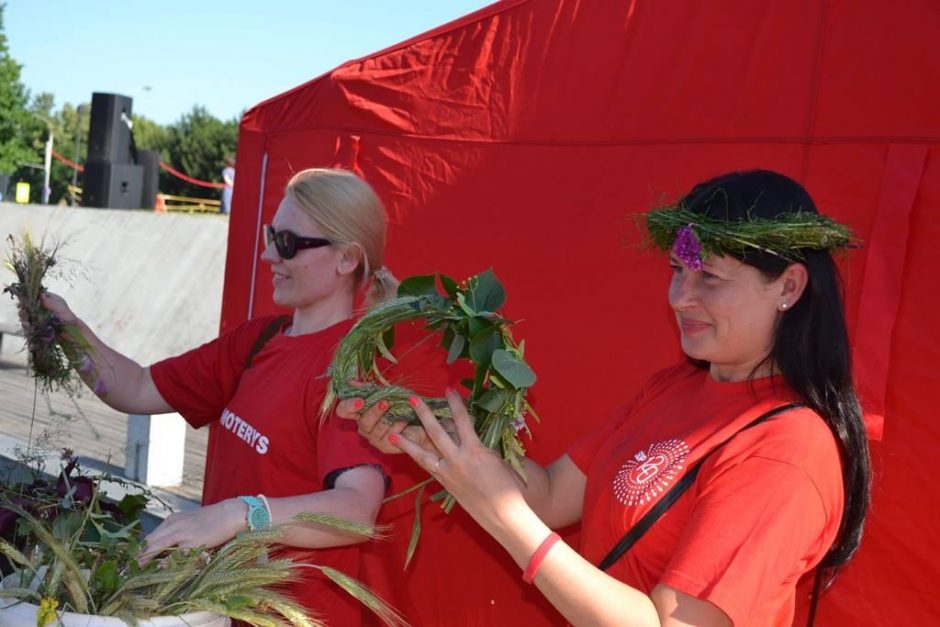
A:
(784, 306)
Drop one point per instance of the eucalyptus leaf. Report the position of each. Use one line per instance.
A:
(493, 399)
(456, 348)
(450, 286)
(515, 371)
(477, 324)
(418, 285)
(464, 306)
(486, 292)
(483, 344)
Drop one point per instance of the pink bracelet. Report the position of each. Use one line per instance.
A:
(539, 556)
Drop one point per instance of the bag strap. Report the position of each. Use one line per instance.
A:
(269, 331)
(643, 525)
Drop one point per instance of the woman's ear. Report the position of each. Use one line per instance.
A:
(350, 258)
(792, 283)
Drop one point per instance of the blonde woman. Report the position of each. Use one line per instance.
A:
(259, 388)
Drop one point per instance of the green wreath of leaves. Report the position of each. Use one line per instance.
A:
(466, 314)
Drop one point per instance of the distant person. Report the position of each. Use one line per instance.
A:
(228, 178)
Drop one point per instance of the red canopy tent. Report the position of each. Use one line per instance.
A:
(520, 138)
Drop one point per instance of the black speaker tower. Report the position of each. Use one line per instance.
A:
(112, 178)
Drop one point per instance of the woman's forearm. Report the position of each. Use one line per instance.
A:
(582, 593)
(555, 493)
(119, 381)
(356, 497)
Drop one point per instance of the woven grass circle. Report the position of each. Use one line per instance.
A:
(466, 314)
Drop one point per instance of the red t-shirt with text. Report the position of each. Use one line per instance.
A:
(266, 435)
(763, 510)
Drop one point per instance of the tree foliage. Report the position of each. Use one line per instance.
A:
(16, 124)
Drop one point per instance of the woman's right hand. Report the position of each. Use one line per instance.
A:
(56, 305)
(374, 427)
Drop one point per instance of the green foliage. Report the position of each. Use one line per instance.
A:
(197, 145)
(471, 330)
(80, 554)
(16, 146)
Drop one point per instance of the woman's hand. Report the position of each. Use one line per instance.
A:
(374, 427)
(475, 475)
(56, 305)
(207, 526)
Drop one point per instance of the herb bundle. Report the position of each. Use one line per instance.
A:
(52, 345)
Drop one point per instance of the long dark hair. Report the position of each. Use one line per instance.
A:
(811, 345)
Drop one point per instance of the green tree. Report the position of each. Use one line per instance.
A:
(16, 122)
(197, 145)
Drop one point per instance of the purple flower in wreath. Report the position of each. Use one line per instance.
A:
(688, 248)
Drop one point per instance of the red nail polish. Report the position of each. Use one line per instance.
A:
(413, 401)
(382, 405)
(358, 403)
(393, 438)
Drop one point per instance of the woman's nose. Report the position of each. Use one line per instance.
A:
(269, 254)
(682, 291)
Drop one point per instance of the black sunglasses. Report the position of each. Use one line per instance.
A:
(287, 243)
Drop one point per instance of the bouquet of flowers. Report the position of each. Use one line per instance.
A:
(51, 357)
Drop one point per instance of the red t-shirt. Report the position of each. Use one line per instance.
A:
(763, 510)
(266, 436)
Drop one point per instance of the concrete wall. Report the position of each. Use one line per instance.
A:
(150, 285)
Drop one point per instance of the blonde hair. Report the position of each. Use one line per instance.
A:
(348, 211)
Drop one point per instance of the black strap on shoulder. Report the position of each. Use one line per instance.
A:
(642, 526)
(814, 597)
(269, 331)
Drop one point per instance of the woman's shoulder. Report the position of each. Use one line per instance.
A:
(799, 438)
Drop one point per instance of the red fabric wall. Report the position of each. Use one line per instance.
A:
(521, 138)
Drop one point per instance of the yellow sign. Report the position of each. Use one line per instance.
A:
(22, 192)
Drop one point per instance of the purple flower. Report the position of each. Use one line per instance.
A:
(688, 248)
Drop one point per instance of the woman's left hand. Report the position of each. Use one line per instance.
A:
(207, 526)
(475, 475)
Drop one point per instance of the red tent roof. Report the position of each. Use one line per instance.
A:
(520, 138)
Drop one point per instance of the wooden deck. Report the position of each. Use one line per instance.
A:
(84, 424)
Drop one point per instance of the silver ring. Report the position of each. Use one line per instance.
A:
(437, 464)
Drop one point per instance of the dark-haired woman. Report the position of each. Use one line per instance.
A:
(764, 402)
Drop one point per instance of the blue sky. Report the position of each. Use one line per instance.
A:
(169, 55)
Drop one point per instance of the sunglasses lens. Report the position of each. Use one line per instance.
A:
(284, 242)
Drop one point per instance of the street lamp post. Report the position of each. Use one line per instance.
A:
(47, 166)
(47, 160)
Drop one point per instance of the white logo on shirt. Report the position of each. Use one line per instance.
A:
(645, 476)
(244, 431)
